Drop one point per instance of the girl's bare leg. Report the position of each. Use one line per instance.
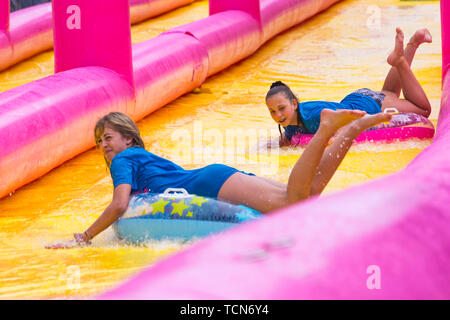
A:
(304, 171)
(336, 152)
(415, 98)
(265, 196)
(392, 82)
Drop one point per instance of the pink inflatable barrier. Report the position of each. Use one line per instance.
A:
(227, 37)
(445, 35)
(141, 10)
(164, 68)
(29, 31)
(387, 239)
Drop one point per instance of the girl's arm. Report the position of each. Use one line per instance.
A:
(284, 141)
(116, 208)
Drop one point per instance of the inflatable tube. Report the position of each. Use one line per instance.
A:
(34, 123)
(445, 27)
(177, 215)
(141, 10)
(387, 239)
(227, 36)
(30, 30)
(29, 33)
(403, 126)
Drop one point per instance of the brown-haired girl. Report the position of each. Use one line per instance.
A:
(134, 169)
(304, 117)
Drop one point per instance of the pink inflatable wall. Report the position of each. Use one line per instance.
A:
(4, 15)
(387, 239)
(144, 9)
(445, 16)
(30, 31)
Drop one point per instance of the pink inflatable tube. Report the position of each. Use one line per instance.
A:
(29, 31)
(141, 10)
(403, 126)
(228, 37)
(277, 16)
(387, 239)
(39, 129)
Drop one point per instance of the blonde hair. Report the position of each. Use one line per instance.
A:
(121, 123)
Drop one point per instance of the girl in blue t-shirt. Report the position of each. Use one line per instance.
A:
(304, 117)
(133, 169)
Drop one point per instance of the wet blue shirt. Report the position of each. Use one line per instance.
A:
(146, 172)
(310, 110)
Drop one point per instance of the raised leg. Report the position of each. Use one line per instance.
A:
(304, 171)
(336, 152)
(265, 196)
(392, 82)
(415, 97)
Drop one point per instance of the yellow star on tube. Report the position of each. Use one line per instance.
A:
(178, 207)
(199, 201)
(159, 206)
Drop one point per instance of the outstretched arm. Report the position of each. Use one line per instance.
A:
(115, 209)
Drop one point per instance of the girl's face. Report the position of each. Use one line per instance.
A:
(282, 110)
(113, 142)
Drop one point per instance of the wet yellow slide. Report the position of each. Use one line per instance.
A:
(224, 121)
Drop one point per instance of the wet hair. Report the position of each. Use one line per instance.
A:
(121, 123)
(280, 87)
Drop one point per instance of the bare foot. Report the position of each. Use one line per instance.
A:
(333, 120)
(369, 121)
(398, 55)
(421, 36)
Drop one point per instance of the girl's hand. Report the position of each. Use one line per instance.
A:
(65, 244)
(79, 241)
(283, 141)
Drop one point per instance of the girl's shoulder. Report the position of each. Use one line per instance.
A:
(132, 151)
(308, 109)
(132, 154)
(138, 156)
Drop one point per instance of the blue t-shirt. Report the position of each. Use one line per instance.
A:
(292, 130)
(146, 172)
(310, 111)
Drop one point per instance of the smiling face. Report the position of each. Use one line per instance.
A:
(112, 143)
(282, 109)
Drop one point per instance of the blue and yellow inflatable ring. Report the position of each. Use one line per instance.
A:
(175, 214)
